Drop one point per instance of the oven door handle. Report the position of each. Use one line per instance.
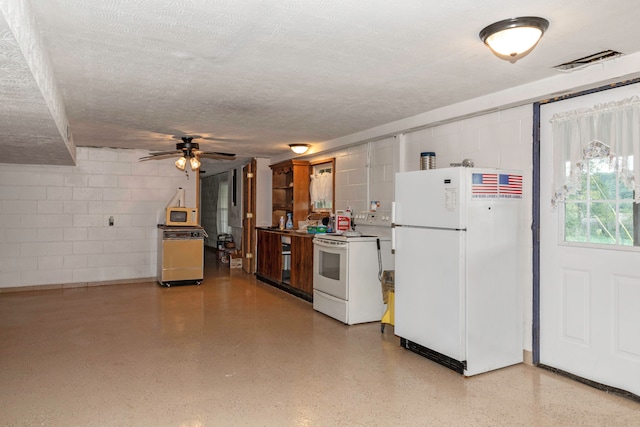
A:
(337, 245)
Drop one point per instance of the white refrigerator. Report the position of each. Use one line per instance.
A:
(458, 266)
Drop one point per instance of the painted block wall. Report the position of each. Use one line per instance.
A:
(54, 220)
(383, 165)
(364, 172)
(502, 140)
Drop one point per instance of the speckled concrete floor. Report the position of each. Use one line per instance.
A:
(235, 352)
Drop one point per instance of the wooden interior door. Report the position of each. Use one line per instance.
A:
(248, 217)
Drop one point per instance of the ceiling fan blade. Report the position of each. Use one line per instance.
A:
(162, 153)
(217, 153)
(158, 157)
(211, 138)
(218, 156)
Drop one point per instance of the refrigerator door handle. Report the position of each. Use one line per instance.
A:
(393, 213)
(393, 227)
(393, 240)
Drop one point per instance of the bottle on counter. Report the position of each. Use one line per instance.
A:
(289, 225)
(281, 225)
(332, 223)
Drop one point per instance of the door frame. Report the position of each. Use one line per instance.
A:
(535, 227)
(249, 217)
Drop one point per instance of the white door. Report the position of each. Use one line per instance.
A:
(589, 294)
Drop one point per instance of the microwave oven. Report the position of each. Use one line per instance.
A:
(181, 216)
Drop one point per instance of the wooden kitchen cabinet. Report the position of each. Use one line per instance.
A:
(270, 261)
(302, 263)
(290, 190)
(269, 248)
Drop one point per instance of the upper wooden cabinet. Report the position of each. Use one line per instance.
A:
(290, 190)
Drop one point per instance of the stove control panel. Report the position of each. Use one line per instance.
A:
(378, 218)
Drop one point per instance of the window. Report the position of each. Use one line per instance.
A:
(222, 208)
(321, 186)
(595, 181)
(599, 208)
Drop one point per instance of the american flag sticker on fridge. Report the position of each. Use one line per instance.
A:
(494, 186)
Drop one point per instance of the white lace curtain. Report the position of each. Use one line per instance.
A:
(222, 208)
(610, 130)
(321, 189)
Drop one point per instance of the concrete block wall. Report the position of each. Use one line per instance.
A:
(502, 139)
(382, 161)
(54, 220)
(364, 172)
(351, 178)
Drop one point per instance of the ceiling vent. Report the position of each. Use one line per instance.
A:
(587, 60)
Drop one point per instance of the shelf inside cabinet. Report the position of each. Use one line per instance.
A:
(290, 190)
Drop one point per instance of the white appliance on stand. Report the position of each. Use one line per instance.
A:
(346, 285)
(458, 265)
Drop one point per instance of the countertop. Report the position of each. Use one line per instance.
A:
(295, 232)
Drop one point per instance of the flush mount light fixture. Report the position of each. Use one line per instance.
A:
(514, 38)
(299, 148)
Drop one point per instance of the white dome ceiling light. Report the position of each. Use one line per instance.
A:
(299, 148)
(512, 39)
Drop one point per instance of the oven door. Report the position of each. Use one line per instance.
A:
(330, 267)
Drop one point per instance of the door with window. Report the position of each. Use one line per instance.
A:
(589, 245)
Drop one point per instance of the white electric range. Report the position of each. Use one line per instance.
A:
(347, 268)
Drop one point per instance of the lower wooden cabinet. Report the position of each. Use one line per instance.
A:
(270, 263)
(302, 263)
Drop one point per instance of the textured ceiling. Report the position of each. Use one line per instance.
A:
(253, 76)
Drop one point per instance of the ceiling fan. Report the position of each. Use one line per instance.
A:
(189, 151)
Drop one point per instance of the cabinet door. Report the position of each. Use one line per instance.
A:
(302, 263)
(301, 197)
(270, 255)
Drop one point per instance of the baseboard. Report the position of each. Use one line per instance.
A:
(527, 357)
(60, 286)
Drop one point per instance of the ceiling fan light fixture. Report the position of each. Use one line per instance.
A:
(181, 163)
(299, 148)
(513, 38)
(195, 163)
